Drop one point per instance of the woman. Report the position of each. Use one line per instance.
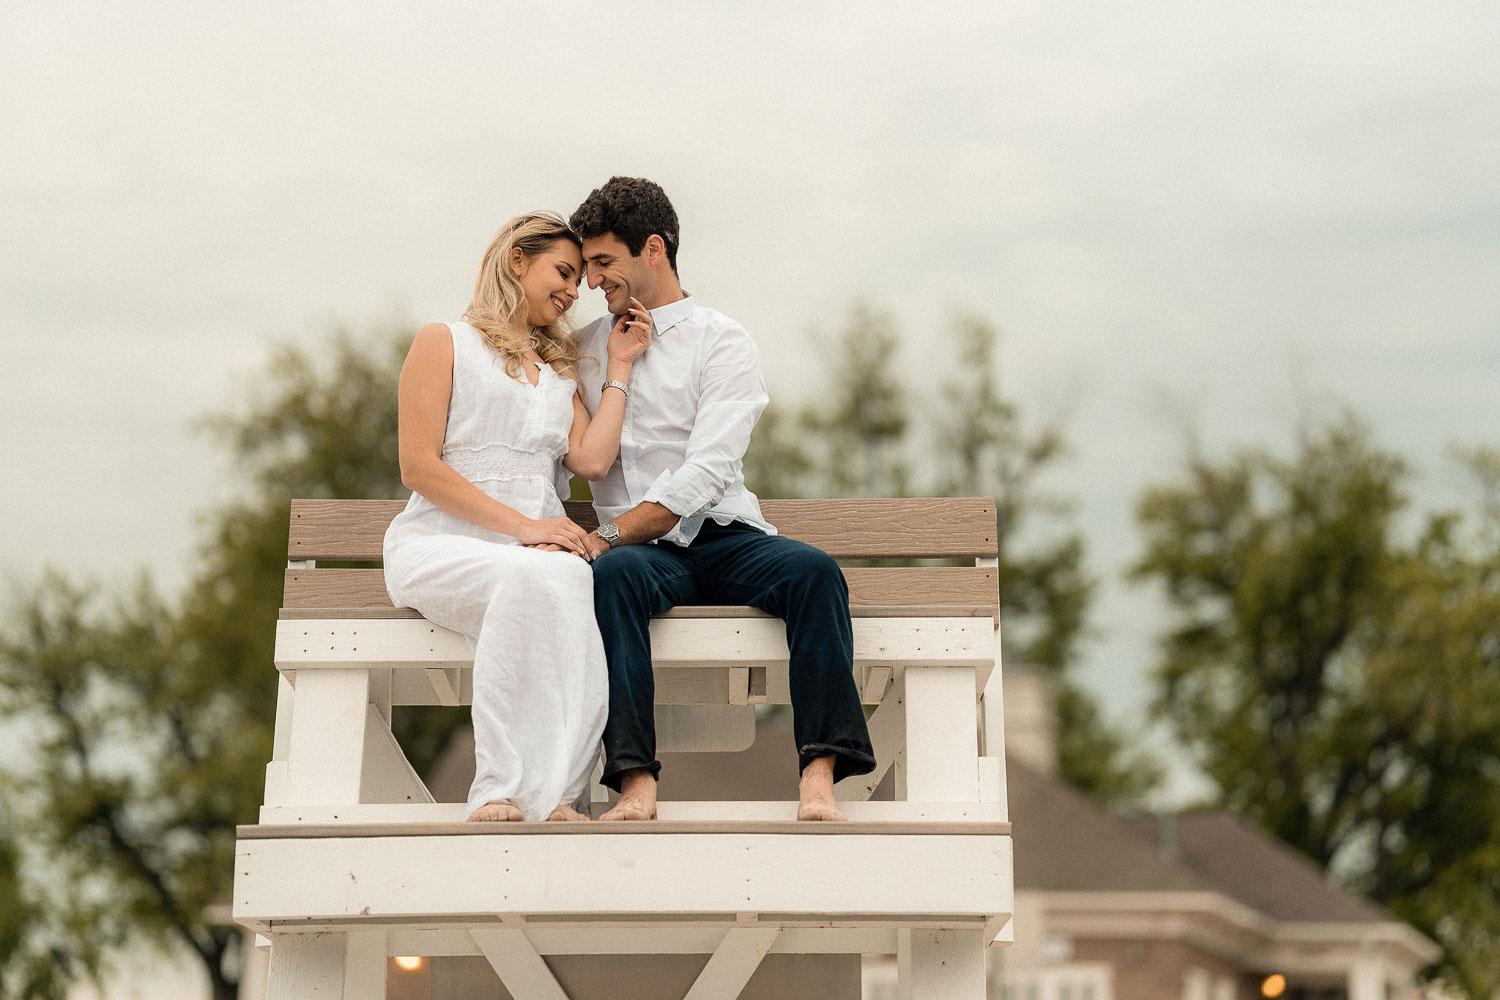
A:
(488, 409)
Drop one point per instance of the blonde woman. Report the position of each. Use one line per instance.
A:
(489, 418)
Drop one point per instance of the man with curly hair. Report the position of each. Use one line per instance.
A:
(677, 524)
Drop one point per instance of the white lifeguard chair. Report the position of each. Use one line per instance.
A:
(352, 861)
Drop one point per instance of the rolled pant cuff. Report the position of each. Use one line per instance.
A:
(847, 762)
(614, 770)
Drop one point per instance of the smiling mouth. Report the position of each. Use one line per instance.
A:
(561, 303)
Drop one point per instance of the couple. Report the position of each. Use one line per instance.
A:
(654, 404)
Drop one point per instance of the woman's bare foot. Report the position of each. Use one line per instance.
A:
(497, 812)
(565, 813)
(816, 793)
(637, 797)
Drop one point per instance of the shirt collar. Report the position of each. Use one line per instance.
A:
(667, 316)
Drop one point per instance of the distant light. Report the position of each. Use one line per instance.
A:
(1271, 986)
(414, 963)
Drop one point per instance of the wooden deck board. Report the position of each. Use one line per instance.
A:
(303, 831)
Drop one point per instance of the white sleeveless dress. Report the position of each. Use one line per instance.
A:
(540, 684)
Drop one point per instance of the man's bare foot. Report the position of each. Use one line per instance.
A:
(629, 807)
(816, 793)
(497, 812)
(637, 797)
(567, 814)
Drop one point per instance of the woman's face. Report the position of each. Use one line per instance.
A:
(549, 282)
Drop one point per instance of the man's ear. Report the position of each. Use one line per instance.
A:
(655, 247)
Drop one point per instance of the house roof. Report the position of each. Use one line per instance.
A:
(1067, 842)
(1261, 871)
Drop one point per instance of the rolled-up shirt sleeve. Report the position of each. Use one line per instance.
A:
(731, 399)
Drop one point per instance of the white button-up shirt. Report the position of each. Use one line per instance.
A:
(694, 398)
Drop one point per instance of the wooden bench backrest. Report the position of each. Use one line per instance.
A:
(907, 529)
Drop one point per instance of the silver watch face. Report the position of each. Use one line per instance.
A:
(609, 532)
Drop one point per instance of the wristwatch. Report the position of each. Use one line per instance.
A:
(610, 532)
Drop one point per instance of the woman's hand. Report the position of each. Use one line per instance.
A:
(558, 531)
(549, 547)
(631, 334)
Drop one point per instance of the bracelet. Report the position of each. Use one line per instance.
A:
(615, 384)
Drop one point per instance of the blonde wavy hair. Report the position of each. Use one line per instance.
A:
(498, 309)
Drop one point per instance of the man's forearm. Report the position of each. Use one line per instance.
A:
(641, 523)
(645, 522)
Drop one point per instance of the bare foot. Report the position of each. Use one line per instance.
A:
(497, 812)
(565, 813)
(819, 811)
(629, 807)
(637, 797)
(816, 793)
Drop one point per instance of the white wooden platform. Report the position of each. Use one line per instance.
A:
(352, 861)
(783, 873)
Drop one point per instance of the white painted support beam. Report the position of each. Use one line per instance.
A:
(733, 962)
(328, 736)
(518, 965)
(942, 742)
(257, 966)
(365, 964)
(939, 965)
(387, 776)
(739, 685)
(307, 967)
(877, 683)
(444, 686)
(285, 701)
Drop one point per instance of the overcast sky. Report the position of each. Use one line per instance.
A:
(1232, 211)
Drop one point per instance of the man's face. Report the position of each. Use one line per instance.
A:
(609, 266)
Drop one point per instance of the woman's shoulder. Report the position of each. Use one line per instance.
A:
(433, 338)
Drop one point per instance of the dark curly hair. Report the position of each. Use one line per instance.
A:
(632, 208)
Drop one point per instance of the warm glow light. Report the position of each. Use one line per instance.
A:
(1273, 986)
(409, 963)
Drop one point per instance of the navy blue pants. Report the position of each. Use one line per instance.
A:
(732, 564)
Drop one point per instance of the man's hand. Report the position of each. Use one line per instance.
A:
(594, 545)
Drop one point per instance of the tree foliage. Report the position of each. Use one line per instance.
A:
(859, 438)
(1336, 672)
(154, 716)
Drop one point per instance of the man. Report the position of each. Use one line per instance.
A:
(677, 525)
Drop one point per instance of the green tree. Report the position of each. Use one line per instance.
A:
(857, 439)
(859, 430)
(155, 716)
(36, 962)
(1337, 673)
(983, 448)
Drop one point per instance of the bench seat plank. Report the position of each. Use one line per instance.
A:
(914, 528)
(883, 586)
